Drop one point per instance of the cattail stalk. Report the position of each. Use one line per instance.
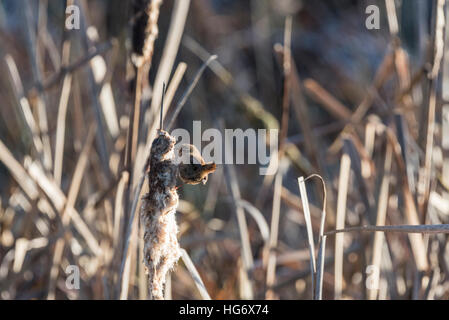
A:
(161, 248)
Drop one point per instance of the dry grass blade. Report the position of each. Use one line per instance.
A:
(247, 255)
(126, 274)
(275, 212)
(416, 240)
(188, 92)
(322, 242)
(423, 229)
(39, 100)
(24, 104)
(195, 275)
(305, 205)
(438, 48)
(320, 269)
(343, 183)
(118, 208)
(258, 217)
(74, 66)
(18, 172)
(59, 200)
(60, 128)
(65, 216)
(381, 215)
(392, 17)
(62, 112)
(332, 105)
(274, 231)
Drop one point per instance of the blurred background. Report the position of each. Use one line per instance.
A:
(363, 108)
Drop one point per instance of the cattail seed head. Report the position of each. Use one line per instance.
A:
(144, 30)
(161, 249)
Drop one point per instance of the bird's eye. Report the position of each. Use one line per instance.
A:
(204, 180)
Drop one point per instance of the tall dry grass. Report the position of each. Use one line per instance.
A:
(363, 182)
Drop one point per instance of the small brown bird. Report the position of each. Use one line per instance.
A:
(192, 168)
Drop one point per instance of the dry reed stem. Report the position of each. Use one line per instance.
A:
(125, 279)
(57, 197)
(416, 240)
(392, 17)
(343, 183)
(102, 75)
(311, 244)
(320, 268)
(246, 253)
(415, 229)
(381, 215)
(29, 182)
(383, 73)
(275, 213)
(65, 217)
(424, 179)
(56, 78)
(287, 74)
(195, 275)
(327, 100)
(37, 68)
(318, 278)
(188, 92)
(259, 218)
(61, 118)
(445, 108)
(301, 110)
(18, 172)
(24, 104)
(118, 207)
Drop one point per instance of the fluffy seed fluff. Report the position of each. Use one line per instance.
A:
(161, 250)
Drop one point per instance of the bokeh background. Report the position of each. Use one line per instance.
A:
(353, 93)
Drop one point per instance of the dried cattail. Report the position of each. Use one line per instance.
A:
(161, 250)
(144, 30)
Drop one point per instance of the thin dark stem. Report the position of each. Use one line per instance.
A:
(189, 91)
(161, 121)
(429, 229)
